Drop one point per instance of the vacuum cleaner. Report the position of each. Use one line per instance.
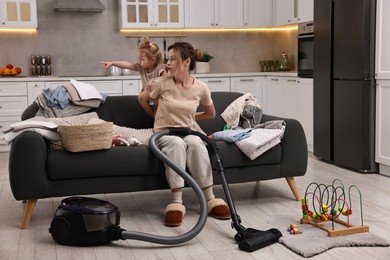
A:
(83, 221)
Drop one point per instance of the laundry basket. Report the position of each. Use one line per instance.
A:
(90, 137)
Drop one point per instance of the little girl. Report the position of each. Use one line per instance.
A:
(149, 65)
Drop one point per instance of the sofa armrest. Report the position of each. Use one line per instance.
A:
(294, 147)
(27, 166)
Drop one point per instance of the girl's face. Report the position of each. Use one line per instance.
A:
(144, 62)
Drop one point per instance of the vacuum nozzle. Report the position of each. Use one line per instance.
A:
(254, 239)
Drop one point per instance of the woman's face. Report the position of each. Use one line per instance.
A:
(171, 65)
(175, 64)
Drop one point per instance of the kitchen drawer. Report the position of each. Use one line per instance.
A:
(34, 89)
(13, 89)
(217, 84)
(5, 123)
(110, 87)
(12, 106)
(131, 87)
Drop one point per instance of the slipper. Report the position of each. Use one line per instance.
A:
(218, 209)
(174, 213)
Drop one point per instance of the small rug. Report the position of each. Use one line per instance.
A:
(313, 240)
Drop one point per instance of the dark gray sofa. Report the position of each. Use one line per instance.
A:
(36, 173)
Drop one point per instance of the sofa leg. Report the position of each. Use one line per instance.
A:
(293, 187)
(28, 211)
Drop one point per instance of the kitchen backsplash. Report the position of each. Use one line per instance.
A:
(79, 41)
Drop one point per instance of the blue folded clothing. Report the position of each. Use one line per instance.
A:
(231, 136)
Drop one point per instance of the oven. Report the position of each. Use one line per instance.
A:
(305, 49)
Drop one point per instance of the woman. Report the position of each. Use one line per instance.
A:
(178, 96)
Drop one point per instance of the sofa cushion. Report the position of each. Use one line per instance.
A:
(232, 156)
(133, 160)
(117, 161)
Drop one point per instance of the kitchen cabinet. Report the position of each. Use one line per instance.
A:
(382, 60)
(292, 11)
(13, 101)
(291, 97)
(18, 14)
(252, 85)
(306, 109)
(213, 13)
(273, 96)
(34, 89)
(257, 13)
(382, 136)
(216, 84)
(152, 14)
(131, 87)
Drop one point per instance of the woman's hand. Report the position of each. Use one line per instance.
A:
(207, 113)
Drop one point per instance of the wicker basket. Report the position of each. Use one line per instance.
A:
(80, 138)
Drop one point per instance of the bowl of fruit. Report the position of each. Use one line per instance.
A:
(9, 71)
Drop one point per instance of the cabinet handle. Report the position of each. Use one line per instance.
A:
(274, 79)
(292, 80)
(1, 107)
(214, 81)
(246, 80)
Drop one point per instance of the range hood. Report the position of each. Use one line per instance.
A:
(78, 6)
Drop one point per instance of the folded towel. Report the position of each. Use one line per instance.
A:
(259, 142)
(74, 95)
(85, 90)
(231, 136)
(34, 122)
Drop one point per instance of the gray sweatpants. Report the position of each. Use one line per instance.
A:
(187, 151)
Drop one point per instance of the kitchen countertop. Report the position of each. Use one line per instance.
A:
(136, 77)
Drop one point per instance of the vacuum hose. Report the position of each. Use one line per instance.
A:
(171, 240)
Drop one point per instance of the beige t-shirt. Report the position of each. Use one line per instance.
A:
(176, 106)
(146, 76)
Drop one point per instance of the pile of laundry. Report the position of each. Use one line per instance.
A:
(71, 99)
(243, 127)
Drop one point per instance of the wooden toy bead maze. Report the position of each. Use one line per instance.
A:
(327, 198)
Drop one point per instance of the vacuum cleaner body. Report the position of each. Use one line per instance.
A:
(82, 221)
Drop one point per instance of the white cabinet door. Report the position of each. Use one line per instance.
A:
(305, 11)
(382, 60)
(291, 97)
(273, 96)
(305, 109)
(199, 13)
(131, 87)
(252, 85)
(217, 84)
(293, 11)
(257, 13)
(284, 12)
(34, 89)
(18, 14)
(229, 13)
(152, 14)
(382, 154)
(213, 13)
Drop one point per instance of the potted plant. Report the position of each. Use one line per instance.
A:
(202, 61)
